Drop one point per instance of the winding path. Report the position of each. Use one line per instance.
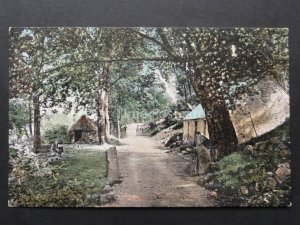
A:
(153, 178)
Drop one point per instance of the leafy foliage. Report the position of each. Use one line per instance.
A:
(18, 115)
(59, 133)
(69, 186)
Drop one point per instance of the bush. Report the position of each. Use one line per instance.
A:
(238, 169)
(58, 132)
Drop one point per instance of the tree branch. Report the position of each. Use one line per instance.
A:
(159, 59)
(162, 45)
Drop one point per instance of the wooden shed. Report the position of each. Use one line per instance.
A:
(195, 121)
(84, 131)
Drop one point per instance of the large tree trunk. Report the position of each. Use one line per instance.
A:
(220, 127)
(36, 123)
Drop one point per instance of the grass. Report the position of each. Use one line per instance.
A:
(252, 171)
(238, 169)
(80, 174)
(87, 167)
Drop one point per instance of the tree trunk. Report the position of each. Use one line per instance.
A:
(30, 118)
(36, 123)
(104, 122)
(99, 127)
(107, 125)
(220, 128)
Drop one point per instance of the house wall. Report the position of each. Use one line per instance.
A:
(190, 127)
(87, 137)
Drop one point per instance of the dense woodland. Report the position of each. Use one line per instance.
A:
(120, 75)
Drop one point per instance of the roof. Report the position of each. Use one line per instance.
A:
(84, 123)
(196, 113)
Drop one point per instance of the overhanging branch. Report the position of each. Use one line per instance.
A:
(157, 59)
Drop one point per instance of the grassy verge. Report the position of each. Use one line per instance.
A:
(80, 174)
(244, 179)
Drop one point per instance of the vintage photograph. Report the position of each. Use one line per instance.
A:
(149, 117)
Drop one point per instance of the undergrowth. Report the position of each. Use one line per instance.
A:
(81, 173)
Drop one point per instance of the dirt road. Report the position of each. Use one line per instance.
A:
(153, 178)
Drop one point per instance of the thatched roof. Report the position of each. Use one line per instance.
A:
(84, 123)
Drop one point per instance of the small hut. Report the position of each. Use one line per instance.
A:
(195, 121)
(84, 131)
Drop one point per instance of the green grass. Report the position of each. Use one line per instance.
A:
(238, 169)
(88, 167)
(81, 173)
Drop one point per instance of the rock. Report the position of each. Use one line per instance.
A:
(282, 146)
(106, 198)
(213, 194)
(92, 199)
(283, 172)
(204, 159)
(107, 188)
(209, 177)
(284, 138)
(171, 140)
(257, 186)
(261, 145)
(270, 174)
(113, 175)
(274, 140)
(201, 181)
(249, 150)
(270, 148)
(188, 150)
(182, 147)
(167, 151)
(177, 149)
(270, 183)
(244, 190)
(211, 184)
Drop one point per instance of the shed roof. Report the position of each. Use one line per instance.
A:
(196, 113)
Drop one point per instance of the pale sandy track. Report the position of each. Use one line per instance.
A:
(153, 178)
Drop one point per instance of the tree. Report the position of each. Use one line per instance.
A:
(18, 116)
(221, 64)
(90, 79)
(28, 56)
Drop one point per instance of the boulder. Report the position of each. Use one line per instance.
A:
(107, 188)
(204, 159)
(213, 194)
(244, 190)
(113, 175)
(260, 146)
(249, 150)
(283, 172)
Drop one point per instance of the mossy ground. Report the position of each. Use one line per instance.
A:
(80, 173)
(244, 170)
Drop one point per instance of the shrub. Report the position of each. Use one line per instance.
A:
(59, 132)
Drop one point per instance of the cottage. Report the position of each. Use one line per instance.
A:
(84, 131)
(194, 122)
